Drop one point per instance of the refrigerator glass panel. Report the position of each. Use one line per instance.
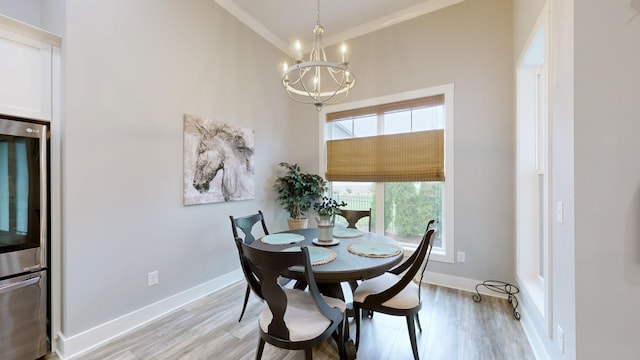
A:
(19, 193)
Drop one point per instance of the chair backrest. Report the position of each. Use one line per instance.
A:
(262, 269)
(407, 263)
(252, 281)
(353, 216)
(246, 224)
(422, 254)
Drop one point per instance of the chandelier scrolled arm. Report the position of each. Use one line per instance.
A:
(304, 89)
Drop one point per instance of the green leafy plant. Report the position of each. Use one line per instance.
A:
(328, 206)
(297, 191)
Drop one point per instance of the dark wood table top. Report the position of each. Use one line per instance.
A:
(347, 266)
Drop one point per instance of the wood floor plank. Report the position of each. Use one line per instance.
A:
(453, 327)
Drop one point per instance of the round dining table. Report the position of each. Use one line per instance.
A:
(346, 266)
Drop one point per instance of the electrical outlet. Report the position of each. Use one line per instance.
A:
(561, 339)
(461, 256)
(152, 278)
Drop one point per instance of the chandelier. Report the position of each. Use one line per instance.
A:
(317, 81)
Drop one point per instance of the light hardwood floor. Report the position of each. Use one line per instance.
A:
(453, 327)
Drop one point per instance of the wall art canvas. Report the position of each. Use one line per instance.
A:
(218, 162)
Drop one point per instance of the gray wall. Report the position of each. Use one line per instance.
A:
(133, 68)
(469, 44)
(607, 178)
(27, 11)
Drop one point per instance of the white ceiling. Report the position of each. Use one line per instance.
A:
(282, 22)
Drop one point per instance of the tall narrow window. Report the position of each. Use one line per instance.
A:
(532, 174)
(390, 155)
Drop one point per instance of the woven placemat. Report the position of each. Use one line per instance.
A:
(282, 239)
(374, 249)
(317, 255)
(347, 233)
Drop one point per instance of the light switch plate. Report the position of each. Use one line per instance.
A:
(152, 278)
(559, 212)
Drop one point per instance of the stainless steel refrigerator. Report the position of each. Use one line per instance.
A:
(23, 240)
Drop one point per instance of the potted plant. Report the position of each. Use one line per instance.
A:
(326, 211)
(297, 192)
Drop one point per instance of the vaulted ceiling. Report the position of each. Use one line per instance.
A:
(282, 22)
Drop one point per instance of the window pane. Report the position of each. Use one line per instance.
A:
(354, 127)
(358, 196)
(428, 118)
(397, 122)
(342, 129)
(408, 207)
(365, 126)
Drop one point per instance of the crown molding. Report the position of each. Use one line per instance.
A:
(389, 20)
(375, 25)
(254, 25)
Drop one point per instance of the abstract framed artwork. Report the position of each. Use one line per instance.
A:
(218, 162)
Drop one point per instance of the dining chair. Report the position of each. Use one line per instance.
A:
(394, 292)
(246, 224)
(293, 319)
(353, 216)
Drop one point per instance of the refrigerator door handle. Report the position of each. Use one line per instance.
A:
(36, 267)
(18, 285)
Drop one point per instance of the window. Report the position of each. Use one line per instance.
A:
(533, 205)
(394, 155)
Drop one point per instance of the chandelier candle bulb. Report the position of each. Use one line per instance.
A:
(343, 49)
(298, 51)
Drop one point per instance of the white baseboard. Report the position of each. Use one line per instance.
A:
(459, 283)
(537, 346)
(73, 346)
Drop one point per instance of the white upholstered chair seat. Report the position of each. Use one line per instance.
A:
(302, 317)
(407, 298)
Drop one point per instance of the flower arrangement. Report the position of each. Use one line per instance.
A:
(328, 206)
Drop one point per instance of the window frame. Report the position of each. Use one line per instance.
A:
(445, 253)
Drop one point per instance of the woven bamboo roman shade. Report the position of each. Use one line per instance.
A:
(416, 156)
